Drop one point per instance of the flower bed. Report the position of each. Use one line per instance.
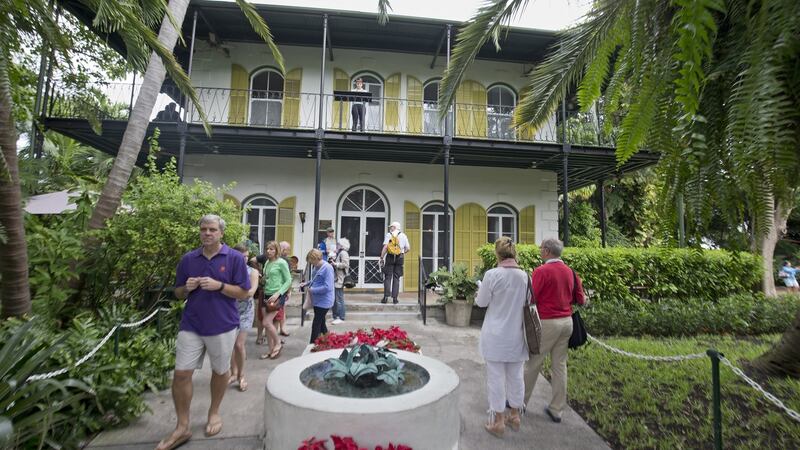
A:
(395, 338)
(344, 443)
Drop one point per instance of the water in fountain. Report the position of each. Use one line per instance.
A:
(415, 377)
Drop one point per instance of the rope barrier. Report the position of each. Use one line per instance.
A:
(55, 373)
(678, 358)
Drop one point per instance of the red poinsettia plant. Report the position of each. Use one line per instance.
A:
(344, 443)
(394, 337)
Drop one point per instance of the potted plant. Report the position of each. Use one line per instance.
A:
(457, 292)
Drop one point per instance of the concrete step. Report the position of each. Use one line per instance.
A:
(378, 316)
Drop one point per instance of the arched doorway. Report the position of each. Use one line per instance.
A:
(433, 232)
(362, 220)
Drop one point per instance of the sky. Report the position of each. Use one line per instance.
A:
(540, 14)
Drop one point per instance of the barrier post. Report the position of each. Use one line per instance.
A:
(715, 398)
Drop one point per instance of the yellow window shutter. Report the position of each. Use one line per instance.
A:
(341, 82)
(392, 94)
(527, 225)
(414, 109)
(478, 223)
(470, 234)
(285, 229)
(413, 229)
(291, 98)
(240, 95)
(232, 199)
(471, 109)
(479, 105)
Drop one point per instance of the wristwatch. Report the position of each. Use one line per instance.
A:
(221, 287)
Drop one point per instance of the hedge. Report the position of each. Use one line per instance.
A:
(743, 314)
(625, 274)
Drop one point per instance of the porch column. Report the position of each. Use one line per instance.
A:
(565, 149)
(448, 139)
(45, 67)
(603, 226)
(183, 125)
(320, 127)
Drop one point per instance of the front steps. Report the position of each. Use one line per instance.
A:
(367, 307)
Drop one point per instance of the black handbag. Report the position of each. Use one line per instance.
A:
(348, 281)
(579, 334)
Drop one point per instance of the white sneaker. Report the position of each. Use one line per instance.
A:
(337, 321)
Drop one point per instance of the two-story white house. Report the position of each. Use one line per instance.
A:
(287, 141)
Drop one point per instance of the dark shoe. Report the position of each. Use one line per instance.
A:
(553, 417)
(383, 300)
(394, 300)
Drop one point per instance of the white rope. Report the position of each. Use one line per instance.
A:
(55, 373)
(674, 358)
(775, 400)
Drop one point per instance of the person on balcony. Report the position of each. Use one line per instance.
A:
(358, 110)
(169, 114)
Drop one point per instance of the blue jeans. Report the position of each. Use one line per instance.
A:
(338, 303)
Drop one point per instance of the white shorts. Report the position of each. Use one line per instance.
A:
(190, 349)
(790, 281)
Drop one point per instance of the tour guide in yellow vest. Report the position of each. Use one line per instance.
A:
(395, 245)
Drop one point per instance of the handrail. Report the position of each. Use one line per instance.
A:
(299, 110)
(422, 292)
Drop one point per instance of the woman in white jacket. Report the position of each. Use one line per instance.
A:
(341, 262)
(504, 291)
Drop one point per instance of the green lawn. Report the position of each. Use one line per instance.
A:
(639, 404)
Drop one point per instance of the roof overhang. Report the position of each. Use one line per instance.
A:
(587, 164)
(347, 30)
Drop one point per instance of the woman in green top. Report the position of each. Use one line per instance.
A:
(279, 281)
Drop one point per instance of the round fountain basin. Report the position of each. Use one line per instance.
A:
(427, 417)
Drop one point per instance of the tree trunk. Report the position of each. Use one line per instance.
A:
(138, 121)
(784, 358)
(767, 244)
(14, 288)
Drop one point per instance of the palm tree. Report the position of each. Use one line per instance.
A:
(713, 85)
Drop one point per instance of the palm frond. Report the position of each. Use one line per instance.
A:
(383, 11)
(261, 28)
(485, 24)
(564, 66)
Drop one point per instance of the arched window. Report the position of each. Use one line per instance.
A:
(430, 99)
(373, 117)
(500, 104)
(266, 98)
(433, 228)
(260, 213)
(502, 222)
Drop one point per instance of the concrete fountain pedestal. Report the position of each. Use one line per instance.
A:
(425, 419)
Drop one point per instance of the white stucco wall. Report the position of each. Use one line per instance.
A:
(212, 69)
(285, 177)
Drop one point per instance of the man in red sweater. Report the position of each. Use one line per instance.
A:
(554, 287)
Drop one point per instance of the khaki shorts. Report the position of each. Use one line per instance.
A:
(190, 349)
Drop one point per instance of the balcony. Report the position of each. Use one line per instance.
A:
(300, 111)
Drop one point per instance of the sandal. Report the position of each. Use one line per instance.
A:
(283, 333)
(213, 428)
(274, 354)
(242, 384)
(260, 341)
(177, 442)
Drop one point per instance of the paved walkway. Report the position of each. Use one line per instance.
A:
(243, 411)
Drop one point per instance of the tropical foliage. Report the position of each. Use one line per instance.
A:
(366, 366)
(455, 284)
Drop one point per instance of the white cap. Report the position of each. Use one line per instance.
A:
(395, 225)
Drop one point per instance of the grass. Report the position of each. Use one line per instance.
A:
(636, 404)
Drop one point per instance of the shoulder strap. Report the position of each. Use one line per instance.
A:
(574, 286)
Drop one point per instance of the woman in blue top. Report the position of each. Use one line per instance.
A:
(321, 290)
(789, 276)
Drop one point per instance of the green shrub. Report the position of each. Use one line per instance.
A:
(743, 314)
(626, 274)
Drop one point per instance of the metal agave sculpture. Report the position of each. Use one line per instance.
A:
(366, 366)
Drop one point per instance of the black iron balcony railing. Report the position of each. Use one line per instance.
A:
(280, 109)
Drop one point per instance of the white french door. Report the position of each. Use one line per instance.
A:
(362, 220)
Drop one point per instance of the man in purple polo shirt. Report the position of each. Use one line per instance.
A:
(212, 277)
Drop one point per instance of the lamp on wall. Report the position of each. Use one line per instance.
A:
(302, 221)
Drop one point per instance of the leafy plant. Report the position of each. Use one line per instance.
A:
(34, 408)
(366, 366)
(457, 284)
